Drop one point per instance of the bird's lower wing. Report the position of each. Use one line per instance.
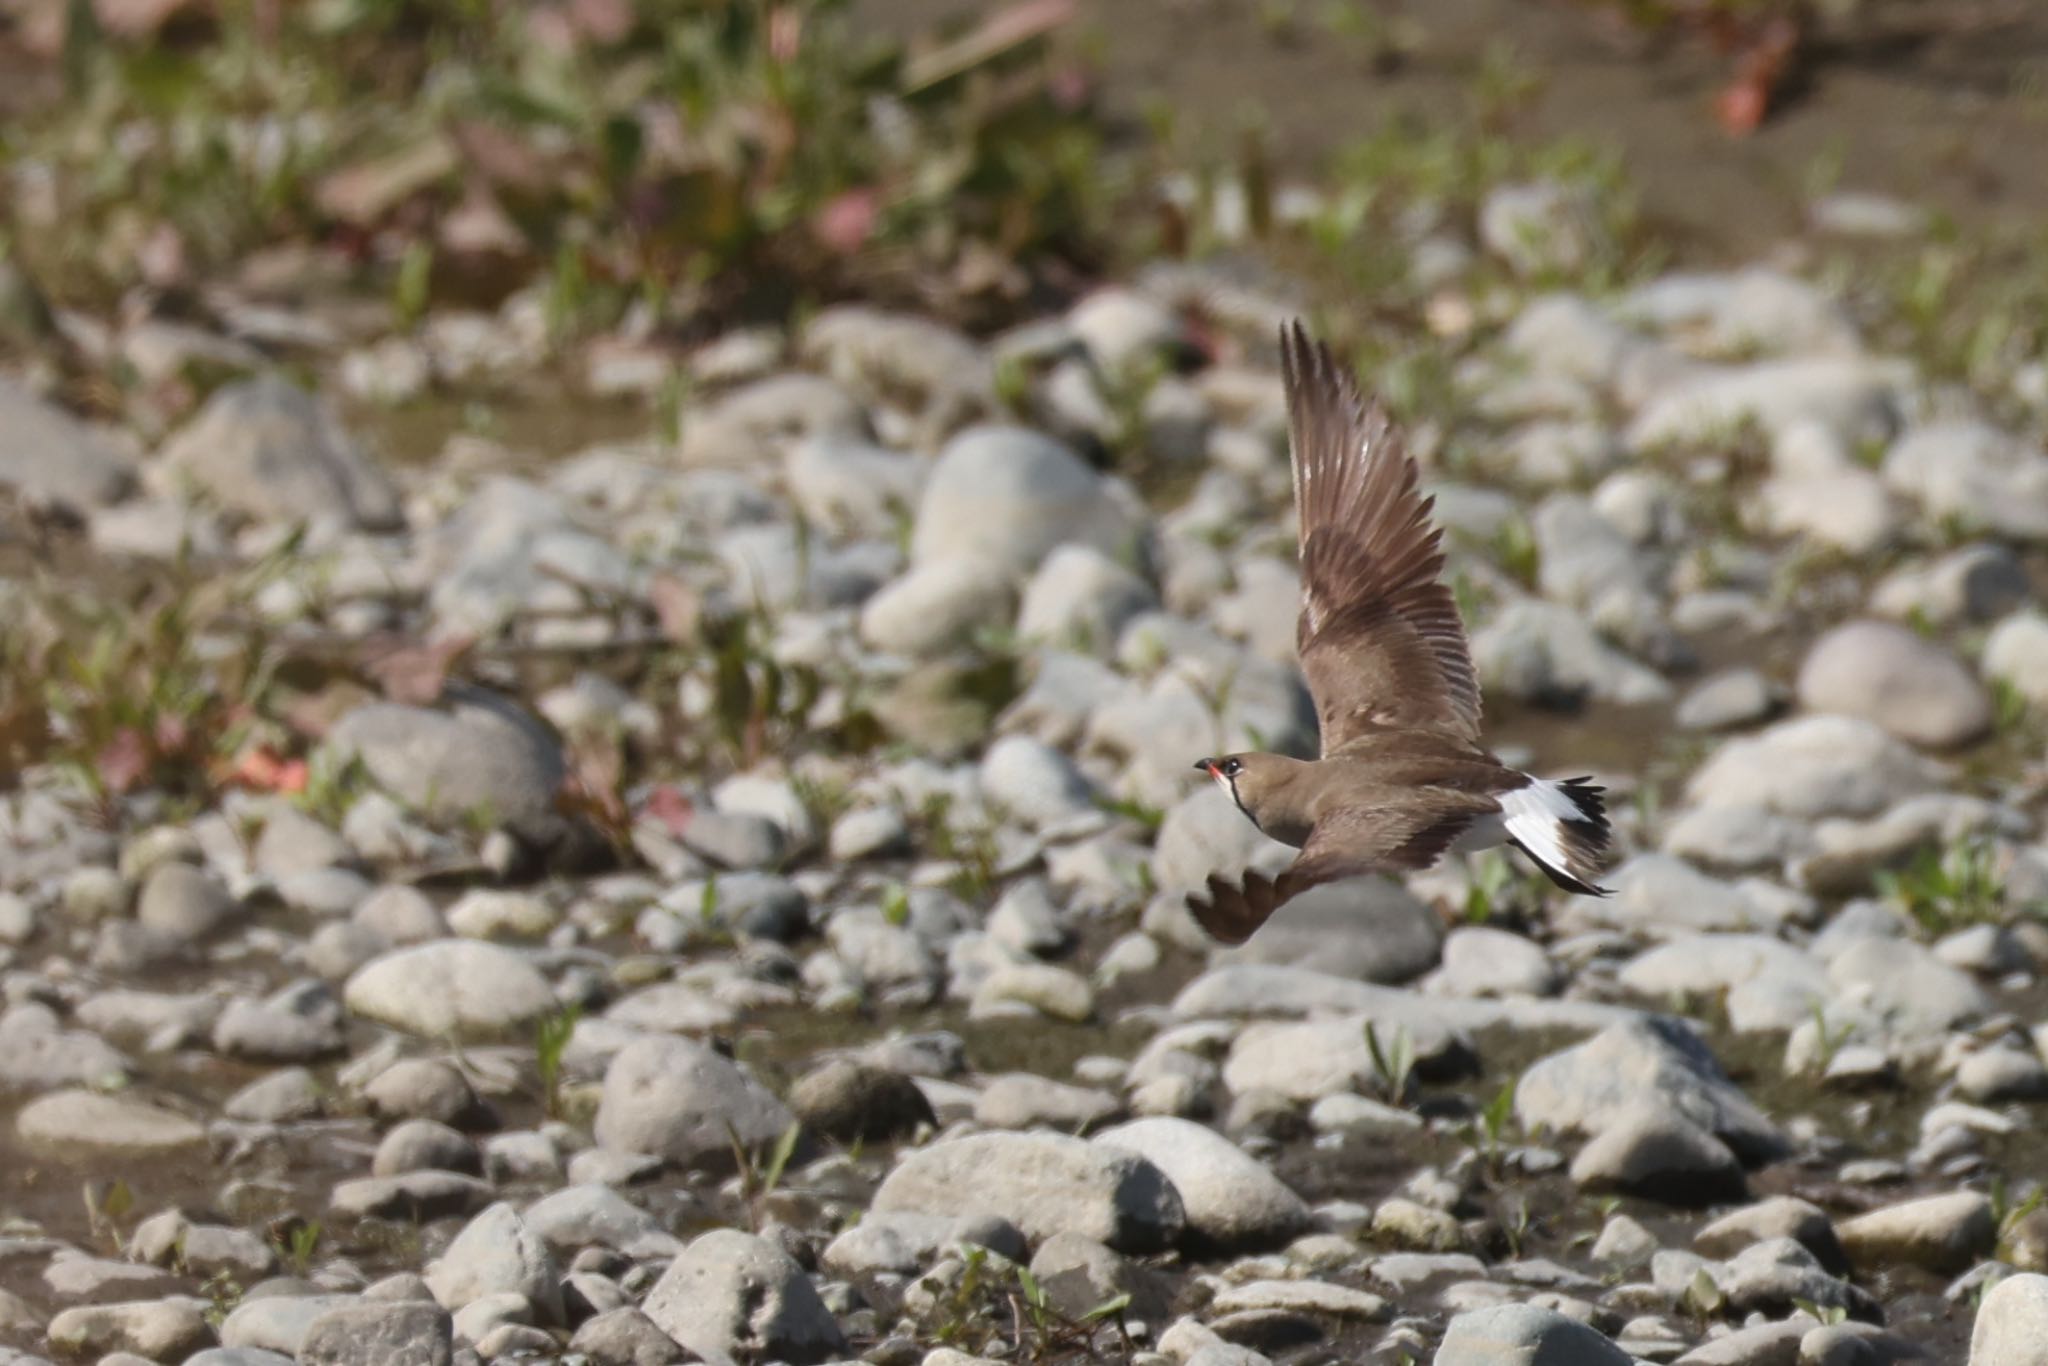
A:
(1230, 911)
(1351, 842)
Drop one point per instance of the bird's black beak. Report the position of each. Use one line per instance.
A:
(1204, 765)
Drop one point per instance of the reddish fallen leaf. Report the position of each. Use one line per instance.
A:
(847, 220)
(123, 761)
(668, 805)
(1759, 72)
(264, 770)
(1741, 106)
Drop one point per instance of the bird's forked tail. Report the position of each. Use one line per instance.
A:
(1562, 825)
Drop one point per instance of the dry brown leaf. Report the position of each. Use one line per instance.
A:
(142, 18)
(479, 227)
(415, 674)
(502, 156)
(678, 607)
(313, 714)
(603, 21)
(1011, 26)
(362, 194)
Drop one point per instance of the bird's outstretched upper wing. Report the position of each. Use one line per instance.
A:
(1379, 636)
(1348, 842)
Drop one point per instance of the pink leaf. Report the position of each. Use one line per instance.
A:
(123, 761)
(172, 734)
(261, 768)
(848, 219)
(667, 804)
(785, 33)
(605, 21)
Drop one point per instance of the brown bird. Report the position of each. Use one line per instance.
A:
(1402, 779)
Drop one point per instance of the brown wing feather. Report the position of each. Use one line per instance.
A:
(1348, 842)
(1379, 636)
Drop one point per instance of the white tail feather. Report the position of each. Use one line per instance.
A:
(1534, 815)
(1563, 826)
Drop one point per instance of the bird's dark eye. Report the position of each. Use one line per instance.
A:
(1231, 768)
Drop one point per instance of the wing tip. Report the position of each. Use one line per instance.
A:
(1229, 914)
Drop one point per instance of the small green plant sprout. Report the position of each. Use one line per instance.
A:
(297, 1240)
(1131, 809)
(223, 1293)
(967, 1299)
(106, 1205)
(2009, 706)
(1515, 1227)
(761, 1174)
(1514, 547)
(1948, 888)
(1470, 595)
(1056, 1334)
(1036, 1306)
(1703, 1298)
(411, 292)
(2006, 1211)
(1827, 1042)
(758, 703)
(962, 1307)
(1492, 877)
(332, 786)
(1494, 1120)
(1394, 1063)
(551, 1037)
(896, 905)
(1827, 1315)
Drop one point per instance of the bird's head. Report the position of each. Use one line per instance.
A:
(1237, 775)
(1253, 780)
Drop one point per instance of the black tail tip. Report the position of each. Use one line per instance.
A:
(1586, 839)
(1589, 797)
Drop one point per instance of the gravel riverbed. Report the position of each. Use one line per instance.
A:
(851, 1010)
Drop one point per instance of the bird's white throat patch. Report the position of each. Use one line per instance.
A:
(1229, 785)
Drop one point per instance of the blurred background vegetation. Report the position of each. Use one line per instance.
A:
(599, 181)
(671, 167)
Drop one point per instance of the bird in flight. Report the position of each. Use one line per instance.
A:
(1402, 779)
